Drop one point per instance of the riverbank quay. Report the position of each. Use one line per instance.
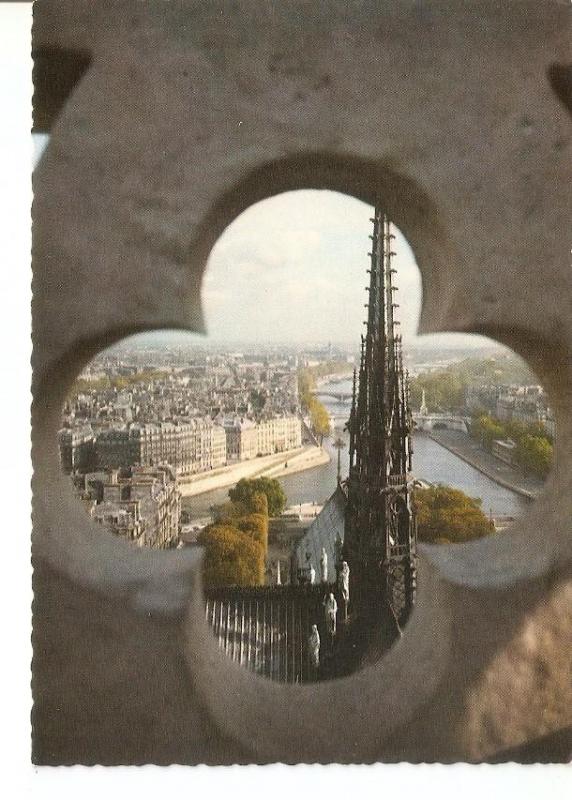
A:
(468, 450)
(312, 456)
(273, 466)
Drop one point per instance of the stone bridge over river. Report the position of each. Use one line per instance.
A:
(422, 421)
(435, 422)
(340, 397)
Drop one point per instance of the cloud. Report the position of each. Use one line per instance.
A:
(293, 267)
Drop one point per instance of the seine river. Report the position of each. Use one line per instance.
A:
(431, 463)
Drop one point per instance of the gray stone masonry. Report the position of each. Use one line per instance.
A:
(456, 115)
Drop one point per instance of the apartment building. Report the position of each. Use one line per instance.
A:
(142, 504)
(77, 448)
(188, 447)
(241, 438)
(278, 434)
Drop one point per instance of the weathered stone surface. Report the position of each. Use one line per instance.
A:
(446, 110)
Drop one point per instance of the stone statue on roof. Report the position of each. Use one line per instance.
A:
(314, 647)
(331, 610)
(324, 565)
(312, 574)
(344, 586)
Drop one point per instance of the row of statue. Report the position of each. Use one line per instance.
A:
(323, 566)
(330, 607)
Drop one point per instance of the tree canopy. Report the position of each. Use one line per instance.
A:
(446, 515)
(319, 417)
(231, 558)
(534, 454)
(255, 526)
(534, 449)
(487, 430)
(258, 504)
(445, 389)
(236, 543)
(247, 488)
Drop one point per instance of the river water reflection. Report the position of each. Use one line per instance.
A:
(431, 463)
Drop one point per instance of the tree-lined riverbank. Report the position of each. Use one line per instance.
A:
(465, 448)
(432, 462)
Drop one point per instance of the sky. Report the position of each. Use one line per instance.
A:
(293, 268)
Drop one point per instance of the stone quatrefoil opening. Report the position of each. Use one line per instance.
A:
(158, 426)
(163, 132)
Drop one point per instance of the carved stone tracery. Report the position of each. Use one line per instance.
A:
(455, 113)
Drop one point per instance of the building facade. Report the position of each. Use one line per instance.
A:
(77, 449)
(241, 439)
(246, 439)
(188, 447)
(526, 404)
(142, 504)
(279, 434)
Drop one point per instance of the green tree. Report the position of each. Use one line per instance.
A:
(232, 512)
(319, 419)
(444, 390)
(515, 429)
(255, 526)
(446, 515)
(228, 513)
(246, 488)
(232, 558)
(538, 430)
(534, 454)
(487, 429)
(534, 448)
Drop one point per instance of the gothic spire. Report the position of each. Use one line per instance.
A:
(379, 525)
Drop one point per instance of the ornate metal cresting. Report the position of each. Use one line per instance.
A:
(380, 529)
